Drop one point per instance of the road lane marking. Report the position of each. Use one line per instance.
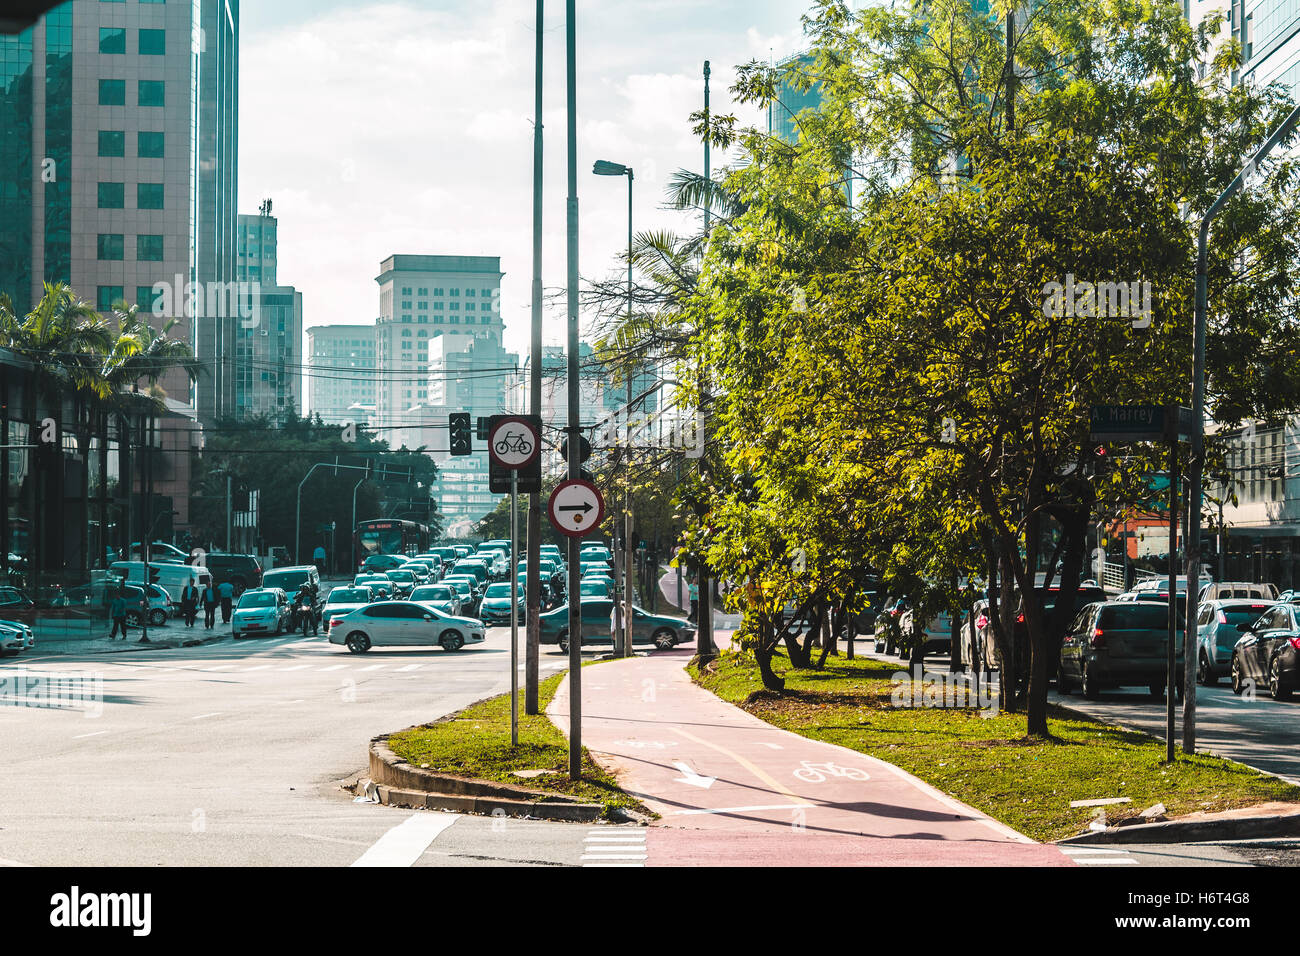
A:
(259, 667)
(295, 667)
(406, 842)
(219, 667)
(93, 733)
(374, 667)
(409, 667)
(215, 713)
(333, 667)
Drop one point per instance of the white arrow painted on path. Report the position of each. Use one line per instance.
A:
(691, 777)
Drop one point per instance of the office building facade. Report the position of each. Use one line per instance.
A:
(268, 367)
(341, 380)
(118, 151)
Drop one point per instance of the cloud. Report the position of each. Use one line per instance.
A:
(407, 128)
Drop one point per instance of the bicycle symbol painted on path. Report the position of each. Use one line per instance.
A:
(819, 772)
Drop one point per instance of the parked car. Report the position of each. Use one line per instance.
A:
(660, 630)
(495, 606)
(260, 612)
(342, 600)
(174, 577)
(243, 571)
(15, 637)
(160, 552)
(442, 596)
(1217, 634)
(161, 605)
(1267, 652)
(403, 623)
(1229, 590)
(1118, 644)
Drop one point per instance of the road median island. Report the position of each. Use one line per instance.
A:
(464, 762)
(983, 758)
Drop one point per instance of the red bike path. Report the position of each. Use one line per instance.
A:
(733, 790)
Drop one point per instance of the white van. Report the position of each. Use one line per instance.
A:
(172, 577)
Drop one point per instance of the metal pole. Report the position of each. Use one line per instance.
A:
(532, 641)
(575, 610)
(704, 622)
(627, 490)
(514, 608)
(146, 475)
(1193, 536)
(355, 488)
(229, 483)
(1171, 678)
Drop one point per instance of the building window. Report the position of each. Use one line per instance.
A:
(106, 295)
(454, 293)
(469, 306)
(149, 195)
(112, 92)
(112, 142)
(422, 319)
(424, 292)
(406, 290)
(112, 195)
(110, 246)
(153, 42)
(112, 40)
(151, 92)
(469, 293)
(149, 145)
(145, 297)
(149, 248)
(455, 307)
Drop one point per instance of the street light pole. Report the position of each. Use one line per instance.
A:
(572, 430)
(532, 638)
(1192, 544)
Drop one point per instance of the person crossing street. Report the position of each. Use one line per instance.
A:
(209, 607)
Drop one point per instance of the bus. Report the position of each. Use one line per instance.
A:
(389, 536)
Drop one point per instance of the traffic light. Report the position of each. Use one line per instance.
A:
(459, 440)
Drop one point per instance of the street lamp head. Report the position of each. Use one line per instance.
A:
(605, 168)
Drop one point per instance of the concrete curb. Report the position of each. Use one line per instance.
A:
(400, 784)
(1194, 831)
(125, 647)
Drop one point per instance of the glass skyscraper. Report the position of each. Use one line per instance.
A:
(118, 150)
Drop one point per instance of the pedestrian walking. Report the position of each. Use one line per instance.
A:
(226, 591)
(189, 603)
(209, 607)
(695, 602)
(318, 558)
(117, 611)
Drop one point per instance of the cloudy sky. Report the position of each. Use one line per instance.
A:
(406, 127)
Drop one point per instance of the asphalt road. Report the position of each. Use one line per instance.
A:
(235, 754)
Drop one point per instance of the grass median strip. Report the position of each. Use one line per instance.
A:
(475, 743)
(984, 759)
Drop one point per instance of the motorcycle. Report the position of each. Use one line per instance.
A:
(302, 614)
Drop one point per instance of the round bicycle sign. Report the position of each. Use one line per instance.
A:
(513, 443)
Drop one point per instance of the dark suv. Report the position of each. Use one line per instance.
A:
(290, 580)
(243, 571)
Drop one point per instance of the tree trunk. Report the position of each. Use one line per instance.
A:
(763, 655)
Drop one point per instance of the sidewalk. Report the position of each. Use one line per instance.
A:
(734, 790)
(160, 638)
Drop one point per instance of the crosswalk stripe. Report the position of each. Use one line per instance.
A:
(405, 843)
(374, 667)
(333, 667)
(409, 667)
(295, 667)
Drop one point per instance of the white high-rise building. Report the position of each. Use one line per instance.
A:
(422, 298)
(341, 378)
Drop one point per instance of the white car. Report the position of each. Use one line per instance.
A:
(15, 637)
(260, 611)
(344, 600)
(403, 623)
